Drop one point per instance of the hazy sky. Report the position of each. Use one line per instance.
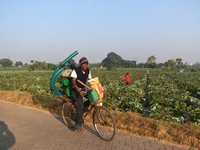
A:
(50, 30)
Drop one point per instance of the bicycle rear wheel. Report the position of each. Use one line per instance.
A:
(69, 113)
(104, 123)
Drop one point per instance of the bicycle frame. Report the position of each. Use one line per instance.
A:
(93, 105)
(67, 99)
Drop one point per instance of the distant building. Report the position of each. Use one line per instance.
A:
(181, 70)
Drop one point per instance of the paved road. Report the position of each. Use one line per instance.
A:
(23, 128)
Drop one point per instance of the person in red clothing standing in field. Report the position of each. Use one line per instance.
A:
(127, 79)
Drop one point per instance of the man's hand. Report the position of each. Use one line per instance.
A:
(82, 93)
(79, 90)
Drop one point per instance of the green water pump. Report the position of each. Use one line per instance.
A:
(58, 70)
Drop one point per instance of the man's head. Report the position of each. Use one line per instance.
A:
(83, 62)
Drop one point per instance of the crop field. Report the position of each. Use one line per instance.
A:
(168, 96)
(159, 104)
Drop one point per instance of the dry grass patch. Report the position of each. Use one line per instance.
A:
(54, 106)
(184, 134)
(17, 97)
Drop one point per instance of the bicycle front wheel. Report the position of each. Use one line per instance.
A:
(69, 114)
(104, 123)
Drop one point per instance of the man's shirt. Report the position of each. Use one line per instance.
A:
(74, 75)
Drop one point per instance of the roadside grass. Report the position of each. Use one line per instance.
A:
(26, 99)
(129, 122)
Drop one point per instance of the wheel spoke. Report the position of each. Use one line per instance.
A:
(104, 123)
(69, 114)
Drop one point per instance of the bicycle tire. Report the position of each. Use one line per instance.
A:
(104, 123)
(69, 114)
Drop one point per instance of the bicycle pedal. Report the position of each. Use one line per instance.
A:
(86, 109)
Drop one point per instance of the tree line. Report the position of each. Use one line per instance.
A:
(111, 61)
(114, 60)
(35, 65)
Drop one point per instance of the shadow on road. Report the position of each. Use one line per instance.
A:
(86, 127)
(91, 130)
(59, 118)
(7, 139)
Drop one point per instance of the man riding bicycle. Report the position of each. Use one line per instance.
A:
(81, 73)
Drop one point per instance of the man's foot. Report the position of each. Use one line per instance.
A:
(78, 127)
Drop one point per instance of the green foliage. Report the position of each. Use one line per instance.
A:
(170, 63)
(179, 60)
(151, 61)
(113, 60)
(41, 66)
(6, 62)
(36, 83)
(173, 98)
(111, 67)
(124, 98)
(18, 63)
(194, 70)
(169, 96)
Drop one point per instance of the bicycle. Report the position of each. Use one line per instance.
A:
(103, 120)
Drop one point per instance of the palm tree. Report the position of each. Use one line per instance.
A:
(179, 60)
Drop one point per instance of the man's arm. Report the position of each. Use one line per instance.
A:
(79, 90)
(75, 85)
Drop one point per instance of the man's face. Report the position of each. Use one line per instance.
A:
(84, 66)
